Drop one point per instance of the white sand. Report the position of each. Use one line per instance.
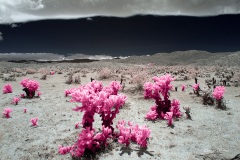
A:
(213, 133)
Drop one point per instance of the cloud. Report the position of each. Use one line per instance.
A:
(12, 11)
(1, 38)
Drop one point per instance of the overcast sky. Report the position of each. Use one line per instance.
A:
(118, 27)
(12, 11)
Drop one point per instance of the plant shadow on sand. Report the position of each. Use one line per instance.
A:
(140, 151)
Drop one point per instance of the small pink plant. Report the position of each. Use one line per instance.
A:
(22, 95)
(196, 88)
(52, 72)
(7, 89)
(218, 92)
(77, 125)
(138, 134)
(183, 87)
(39, 94)
(34, 121)
(15, 100)
(218, 95)
(6, 112)
(25, 110)
(30, 87)
(159, 91)
(169, 116)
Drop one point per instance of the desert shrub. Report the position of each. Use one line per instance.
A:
(30, 87)
(159, 91)
(44, 77)
(218, 95)
(7, 89)
(30, 71)
(69, 79)
(77, 79)
(105, 73)
(139, 80)
(15, 100)
(106, 102)
(6, 112)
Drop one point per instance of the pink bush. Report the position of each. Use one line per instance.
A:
(218, 92)
(25, 110)
(159, 91)
(30, 87)
(138, 134)
(7, 89)
(98, 99)
(196, 87)
(22, 95)
(52, 72)
(87, 140)
(34, 121)
(15, 100)
(6, 112)
(169, 116)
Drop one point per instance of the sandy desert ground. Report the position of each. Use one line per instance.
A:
(211, 134)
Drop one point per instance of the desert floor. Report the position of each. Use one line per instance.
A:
(211, 134)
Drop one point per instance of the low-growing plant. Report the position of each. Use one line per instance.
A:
(105, 73)
(196, 89)
(7, 89)
(218, 95)
(15, 100)
(187, 111)
(30, 87)
(6, 112)
(34, 121)
(138, 134)
(105, 101)
(159, 91)
(183, 87)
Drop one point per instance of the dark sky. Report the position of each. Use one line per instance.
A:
(113, 36)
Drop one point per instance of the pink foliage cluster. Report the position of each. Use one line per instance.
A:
(196, 87)
(34, 121)
(6, 112)
(7, 89)
(30, 86)
(138, 134)
(87, 141)
(159, 91)
(98, 99)
(15, 100)
(94, 98)
(183, 87)
(52, 72)
(218, 92)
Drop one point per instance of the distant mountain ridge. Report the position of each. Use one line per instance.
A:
(187, 57)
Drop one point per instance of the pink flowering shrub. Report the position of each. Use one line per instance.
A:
(138, 134)
(7, 89)
(196, 88)
(87, 141)
(52, 72)
(34, 121)
(6, 112)
(15, 100)
(25, 110)
(218, 95)
(159, 91)
(94, 99)
(98, 99)
(30, 87)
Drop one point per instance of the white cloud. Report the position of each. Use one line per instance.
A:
(1, 38)
(12, 11)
